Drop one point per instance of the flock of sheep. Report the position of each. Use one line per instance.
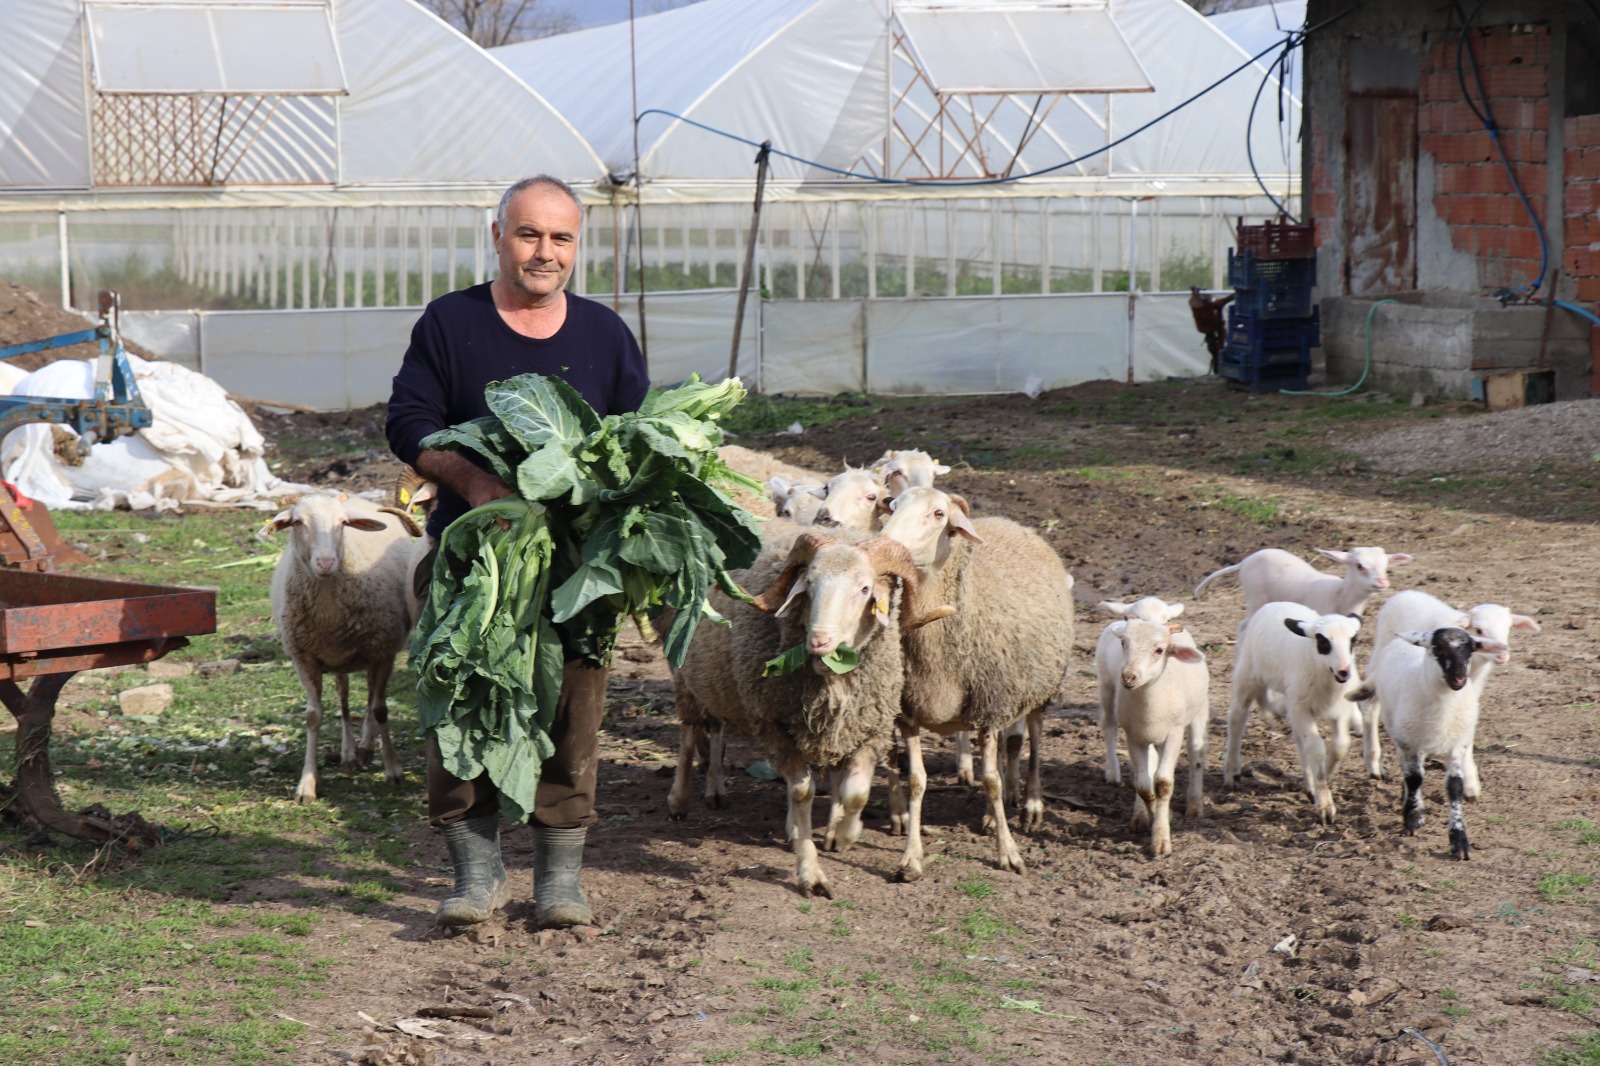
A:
(916, 617)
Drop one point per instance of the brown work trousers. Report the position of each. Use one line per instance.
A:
(565, 796)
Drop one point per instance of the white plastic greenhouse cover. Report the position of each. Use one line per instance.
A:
(1255, 28)
(811, 75)
(425, 105)
(284, 48)
(1038, 48)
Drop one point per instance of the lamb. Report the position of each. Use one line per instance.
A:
(796, 501)
(1288, 648)
(1430, 707)
(1108, 660)
(1003, 656)
(855, 498)
(1161, 699)
(1415, 610)
(341, 603)
(903, 470)
(1271, 575)
(841, 722)
(763, 468)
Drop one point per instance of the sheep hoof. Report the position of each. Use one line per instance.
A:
(397, 778)
(964, 776)
(363, 757)
(677, 816)
(1196, 810)
(304, 795)
(819, 888)
(1140, 821)
(1013, 862)
(1033, 816)
(1458, 845)
(908, 874)
(899, 824)
(716, 802)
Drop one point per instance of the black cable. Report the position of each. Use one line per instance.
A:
(1294, 41)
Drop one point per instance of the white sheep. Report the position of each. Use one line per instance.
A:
(797, 501)
(1288, 648)
(342, 600)
(903, 470)
(1430, 707)
(1160, 700)
(1003, 656)
(1272, 575)
(1108, 666)
(819, 593)
(855, 499)
(1414, 610)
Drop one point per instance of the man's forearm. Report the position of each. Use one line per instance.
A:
(461, 476)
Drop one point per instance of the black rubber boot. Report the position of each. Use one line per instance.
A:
(557, 858)
(481, 884)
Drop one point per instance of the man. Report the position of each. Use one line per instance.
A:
(524, 321)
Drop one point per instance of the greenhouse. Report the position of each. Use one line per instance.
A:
(277, 187)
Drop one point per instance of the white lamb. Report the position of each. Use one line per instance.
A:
(1159, 699)
(1288, 648)
(1430, 707)
(1272, 575)
(903, 470)
(854, 498)
(1108, 659)
(797, 501)
(343, 603)
(1414, 610)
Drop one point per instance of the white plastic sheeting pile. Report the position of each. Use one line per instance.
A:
(201, 448)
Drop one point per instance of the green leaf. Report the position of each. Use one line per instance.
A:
(587, 584)
(537, 409)
(487, 437)
(842, 659)
(547, 474)
(660, 545)
(786, 663)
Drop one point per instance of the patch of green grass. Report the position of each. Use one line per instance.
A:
(1456, 1010)
(722, 1056)
(981, 925)
(1407, 920)
(976, 887)
(1449, 993)
(1560, 887)
(1260, 510)
(1584, 1051)
(759, 414)
(1574, 998)
(799, 960)
(804, 1048)
(1588, 832)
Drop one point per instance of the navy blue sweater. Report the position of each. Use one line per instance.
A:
(461, 343)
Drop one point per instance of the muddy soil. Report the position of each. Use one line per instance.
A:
(706, 952)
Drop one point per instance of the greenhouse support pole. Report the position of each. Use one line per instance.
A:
(1133, 277)
(66, 269)
(762, 159)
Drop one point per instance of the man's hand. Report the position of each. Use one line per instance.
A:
(462, 477)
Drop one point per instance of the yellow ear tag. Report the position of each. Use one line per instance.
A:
(880, 606)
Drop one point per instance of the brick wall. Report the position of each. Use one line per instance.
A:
(1580, 266)
(1472, 192)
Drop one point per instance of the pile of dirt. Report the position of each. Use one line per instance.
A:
(1506, 440)
(25, 315)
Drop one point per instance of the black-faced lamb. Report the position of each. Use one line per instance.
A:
(820, 593)
(1160, 700)
(1430, 707)
(1288, 648)
(1003, 656)
(1414, 610)
(342, 600)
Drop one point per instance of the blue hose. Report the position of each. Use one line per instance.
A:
(1575, 309)
(1366, 369)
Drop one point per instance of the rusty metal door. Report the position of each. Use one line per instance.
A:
(1380, 193)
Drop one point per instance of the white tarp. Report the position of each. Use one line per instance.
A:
(201, 446)
(213, 48)
(424, 105)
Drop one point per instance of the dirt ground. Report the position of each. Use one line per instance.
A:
(706, 952)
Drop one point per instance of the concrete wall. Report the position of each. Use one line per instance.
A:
(1472, 235)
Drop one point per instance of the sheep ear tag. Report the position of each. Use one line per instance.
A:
(880, 606)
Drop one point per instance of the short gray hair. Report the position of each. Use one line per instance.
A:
(544, 180)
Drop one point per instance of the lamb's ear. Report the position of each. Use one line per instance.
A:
(801, 586)
(1295, 625)
(939, 469)
(1116, 629)
(1524, 623)
(1488, 647)
(1463, 621)
(820, 492)
(1420, 638)
(276, 524)
(778, 488)
(1184, 653)
(1399, 559)
(1120, 609)
(1174, 610)
(1337, 557)
(366, 525)
(1356, 618)
(958, 524)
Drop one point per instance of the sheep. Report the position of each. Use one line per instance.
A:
(1415, 610)
(1108, 662)
(903, 470)
(1430, 708)
(1288, 648)
(762, 467)
(1003, 656)
(796, 501)
(1274, 575)
(342, 603)
(1161, 699)
(854, 498)
(841, 722)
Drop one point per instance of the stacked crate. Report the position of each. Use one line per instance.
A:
(1272, 324)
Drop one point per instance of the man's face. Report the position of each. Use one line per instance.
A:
(539, 243)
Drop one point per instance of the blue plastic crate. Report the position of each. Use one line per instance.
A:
(1251, 332)
(1272, 288)
(1283, 368)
